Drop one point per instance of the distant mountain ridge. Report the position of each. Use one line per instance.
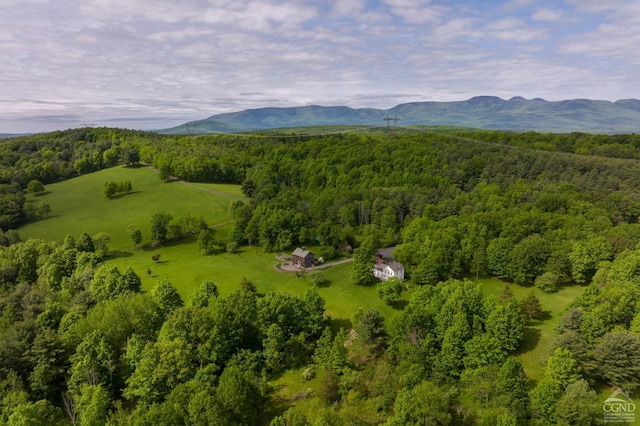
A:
(485, 112)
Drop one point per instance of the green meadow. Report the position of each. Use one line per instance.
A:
(78, 205)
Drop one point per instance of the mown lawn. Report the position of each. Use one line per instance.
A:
(186, 267)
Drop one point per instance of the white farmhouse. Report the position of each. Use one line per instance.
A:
(384, 271)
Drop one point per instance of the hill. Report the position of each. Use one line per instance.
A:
(78, 205)
(484, 112)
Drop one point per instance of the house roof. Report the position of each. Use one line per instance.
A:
(394, 266)
(397, 267)
(301, 252)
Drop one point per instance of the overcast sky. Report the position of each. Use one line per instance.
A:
(149, 64)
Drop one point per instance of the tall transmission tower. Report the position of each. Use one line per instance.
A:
(391, 122)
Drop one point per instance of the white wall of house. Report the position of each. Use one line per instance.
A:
(385, 272)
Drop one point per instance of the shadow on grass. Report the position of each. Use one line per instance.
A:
(323, 284)
(119, 254)
(276, 405)
(399, 305)
(37, 219)
(530, 340)
(116, 196)
(336, 324)
(544, 316)
(156, 245)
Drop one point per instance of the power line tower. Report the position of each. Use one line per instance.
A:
(391, 122)
(189, 131)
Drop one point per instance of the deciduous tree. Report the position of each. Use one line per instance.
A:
(35, 187)
(390, 290)
(136, 236)
(204, 293)
(166, 297)
(159, 223)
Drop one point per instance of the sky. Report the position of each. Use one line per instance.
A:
(152, 64)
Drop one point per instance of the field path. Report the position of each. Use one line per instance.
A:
(292, 268)
(329, 264)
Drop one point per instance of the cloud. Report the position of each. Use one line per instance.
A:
(514, 29)
(416, 11)
(616, 36)
(549, 15)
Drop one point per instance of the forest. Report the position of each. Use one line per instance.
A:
(83, 344)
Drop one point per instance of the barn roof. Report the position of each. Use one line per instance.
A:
(301, 252)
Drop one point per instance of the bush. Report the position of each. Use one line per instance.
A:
(548, 282)
(308, 374)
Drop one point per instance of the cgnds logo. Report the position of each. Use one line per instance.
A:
(619, 408)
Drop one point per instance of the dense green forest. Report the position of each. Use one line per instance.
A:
(82, 344)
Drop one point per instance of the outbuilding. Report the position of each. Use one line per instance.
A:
(303, 258)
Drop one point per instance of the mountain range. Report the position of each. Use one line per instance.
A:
(484, 112)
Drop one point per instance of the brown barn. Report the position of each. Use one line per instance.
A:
(302, 257)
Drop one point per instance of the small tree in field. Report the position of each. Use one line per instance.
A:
(136, 236)
(101, 241)
(316, 277)
(159, 222)
(35, 187)
(207, 241)
(44, 209)
(531, 308)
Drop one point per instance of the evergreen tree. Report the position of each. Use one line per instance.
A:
(578, 405)
(617, 356)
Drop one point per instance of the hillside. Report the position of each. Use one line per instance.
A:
(484, 112)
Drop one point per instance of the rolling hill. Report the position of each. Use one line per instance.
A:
(485, 112)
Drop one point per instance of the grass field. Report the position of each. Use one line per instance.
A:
(186, 267)
(78, 205)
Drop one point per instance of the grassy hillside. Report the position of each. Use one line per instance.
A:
(78, 205)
